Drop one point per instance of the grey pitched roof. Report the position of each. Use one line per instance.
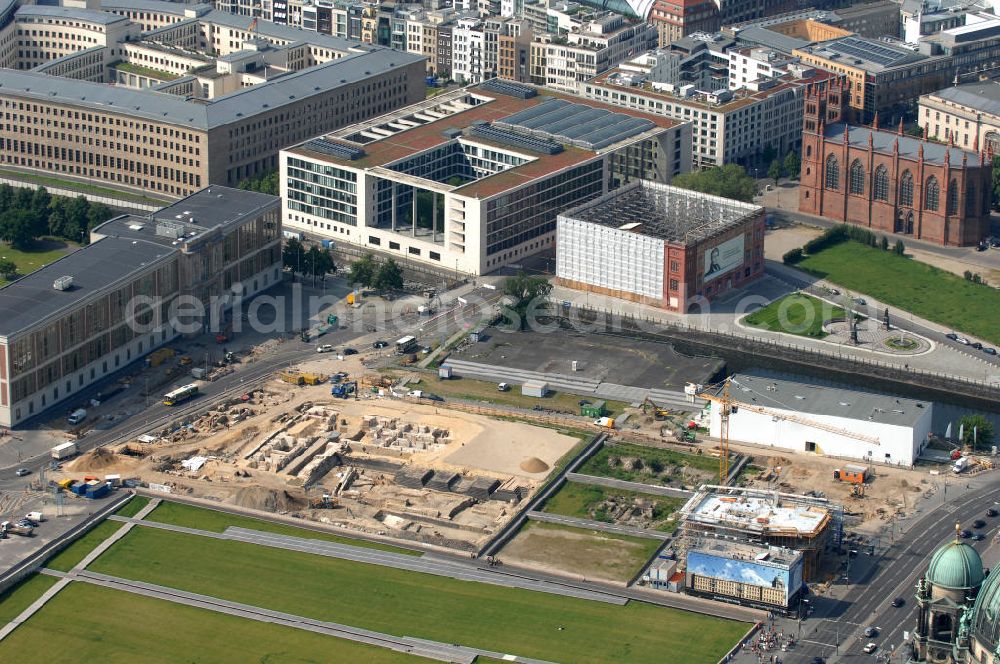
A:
(86, 15)
(204, 115)
(983, 96)
(909, 147)
(178, 8)
(808, 398)
(95, 267)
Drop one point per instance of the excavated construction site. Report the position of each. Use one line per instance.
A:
(377, 465)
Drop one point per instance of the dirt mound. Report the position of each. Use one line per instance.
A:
(534, 465)
(99, 459)
(268, 500)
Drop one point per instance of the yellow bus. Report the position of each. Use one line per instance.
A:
(180, 395)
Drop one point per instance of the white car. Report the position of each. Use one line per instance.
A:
(416, 394)
(870, 648)
(962, 340)
(325, 348)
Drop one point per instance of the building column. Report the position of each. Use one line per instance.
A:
(434, 216)
(393, 207)
(413, 206)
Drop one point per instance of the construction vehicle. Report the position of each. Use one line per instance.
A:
(333, 320)
(186, 360)
(16, 528)
(961, 465)
(226, 333)
(719, 394)
(291, 377)
(314, 333)
(158, 357)
(658, 412)
(344, 390)
(851, 473)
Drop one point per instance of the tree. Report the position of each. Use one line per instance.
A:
(16, 227)
(76, 217)
(57, 218)
(97, 214)
(363, 270)
(728, 181)
(900, 248)
(524, 291)
(389, 276)
(267, 183)
(8, 269)
(977, 432)
(291, 254)
(792, 165)
(884, 243)
(774, 171)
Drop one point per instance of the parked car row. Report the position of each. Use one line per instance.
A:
(971, 344)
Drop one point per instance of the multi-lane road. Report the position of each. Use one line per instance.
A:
(867, 600)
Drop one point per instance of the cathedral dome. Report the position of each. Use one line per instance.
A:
(956, 566)
(986, 614)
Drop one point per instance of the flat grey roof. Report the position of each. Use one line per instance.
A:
(825, 400)
(983, 96)
(664, 212)
(216, 112)
(580, 125)
(177, 8)
(909, 146)
(205, 210)
(32, 298)
(87, 15)
(758, 36)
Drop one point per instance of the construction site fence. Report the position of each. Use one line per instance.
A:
(37, 560)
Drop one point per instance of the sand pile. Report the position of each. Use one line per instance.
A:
(268, 500)
(534, 465)
(99, 459)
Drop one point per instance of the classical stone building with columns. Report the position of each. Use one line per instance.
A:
(888, 181)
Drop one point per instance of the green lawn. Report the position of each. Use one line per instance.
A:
(404, 603)
(82, 187)
(21, 596)
(798, 314)
(133, 507)
(146, 71)
(85, 622)
(29, 261)
(609, 462)
(68, 558)
(583, 502)
(481, 390)
(911, 286)
(178, 514)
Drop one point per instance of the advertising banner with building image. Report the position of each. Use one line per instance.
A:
(752, 579)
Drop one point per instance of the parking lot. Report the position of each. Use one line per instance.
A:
(599, 357)
(59, 518)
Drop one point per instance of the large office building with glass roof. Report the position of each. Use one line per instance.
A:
(473, 179)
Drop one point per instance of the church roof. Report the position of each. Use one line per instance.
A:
(956, 566)
(909, 147)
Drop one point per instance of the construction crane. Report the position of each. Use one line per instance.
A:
(728, 406)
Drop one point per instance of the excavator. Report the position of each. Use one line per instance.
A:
(658, 412)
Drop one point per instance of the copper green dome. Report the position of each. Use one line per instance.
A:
(956, 566)
(986, 613)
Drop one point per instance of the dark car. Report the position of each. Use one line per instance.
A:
(978, 523)
(977, 345)
(992, 512)
(990, 351)
(898, 602)
(965, 534)
(978, 537)
(433, 397)
(348, 351)
(380, 344)
(952, 336)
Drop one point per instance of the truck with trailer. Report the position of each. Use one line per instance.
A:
(64, 451)
(961, 465)
(16, 528)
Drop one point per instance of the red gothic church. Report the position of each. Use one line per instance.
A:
(890, 182)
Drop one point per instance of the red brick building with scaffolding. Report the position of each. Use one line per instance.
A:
(888, 181)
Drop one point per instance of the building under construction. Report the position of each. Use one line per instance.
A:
(803, 523)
